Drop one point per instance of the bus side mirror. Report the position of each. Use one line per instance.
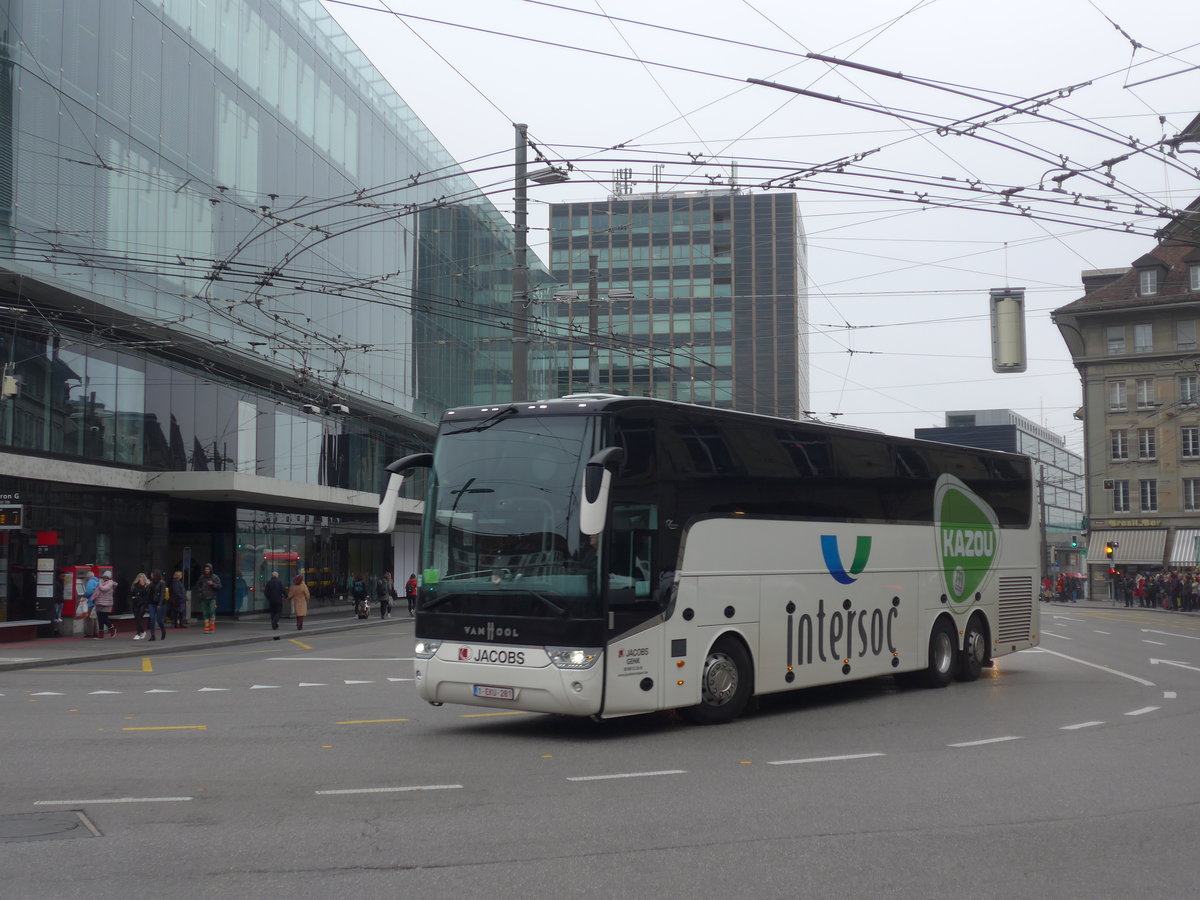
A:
(389, 502)
(597, 480)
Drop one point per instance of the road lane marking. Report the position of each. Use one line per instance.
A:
(352, 681)
(262, 687)
(103, 692)
(1142, 711)
(311, 684)
(203, 689)
(628, 775)
(393, 790)
(370, 721)
(1173, 662)
(1068, 618)
(160, 691)
(47, 694)
(1168, 695)
(1190, 637)
(1084, 662)
(112, 800)
(996, 740)
(147, 665)
(400, 679)
(817, 759)
(1098, 631)
(1157, 643)
(168, 728)
(1079, 725)
(1061, 637)
(300, 644)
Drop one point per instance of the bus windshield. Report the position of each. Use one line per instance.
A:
(502, 520)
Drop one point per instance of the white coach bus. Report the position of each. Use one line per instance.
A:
(607, 556)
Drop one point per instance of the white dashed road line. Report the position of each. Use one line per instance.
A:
(1143, 711)
(628, 775)
(1061, 637)
(817, 759)
(112, 800)
(391, 790)
(996, 740)
(1079, 725)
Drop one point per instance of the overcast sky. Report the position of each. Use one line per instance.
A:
(916, 200)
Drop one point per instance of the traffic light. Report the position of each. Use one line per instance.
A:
(1074, 541)
(1108, 550)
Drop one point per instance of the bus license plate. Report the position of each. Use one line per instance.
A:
(494, 693)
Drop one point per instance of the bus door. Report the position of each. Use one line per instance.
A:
(635, 654)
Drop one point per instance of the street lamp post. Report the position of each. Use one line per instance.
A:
(520, 270)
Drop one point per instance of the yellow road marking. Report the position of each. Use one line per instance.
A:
(147, 666)
(168, 728)
(300, 644)
(370, 721)
(515, 712)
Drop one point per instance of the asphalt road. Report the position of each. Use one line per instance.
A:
(308, 767)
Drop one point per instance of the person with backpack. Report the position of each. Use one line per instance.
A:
(358, 591)
(410, 592)
(385, 592)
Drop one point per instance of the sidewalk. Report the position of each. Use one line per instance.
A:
(247, 629)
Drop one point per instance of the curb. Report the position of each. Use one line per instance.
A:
(49, 662)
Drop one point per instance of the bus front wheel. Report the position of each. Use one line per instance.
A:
(725, 684)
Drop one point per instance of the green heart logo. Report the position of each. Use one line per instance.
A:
(968, 538)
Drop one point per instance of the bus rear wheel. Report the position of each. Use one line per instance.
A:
(974, 652)
(725, 685)
(943, 655)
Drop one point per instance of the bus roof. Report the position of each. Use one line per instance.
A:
(593, 404)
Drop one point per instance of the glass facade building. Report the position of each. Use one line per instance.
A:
(237, 277)
(719, 314)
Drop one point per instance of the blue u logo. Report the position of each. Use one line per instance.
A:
(833, 558)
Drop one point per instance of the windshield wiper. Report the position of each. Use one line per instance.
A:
(488, 422)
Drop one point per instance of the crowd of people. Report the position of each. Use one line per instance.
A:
(156, 600)
(1169, 590)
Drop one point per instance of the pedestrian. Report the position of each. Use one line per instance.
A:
(275, 593)
(410, 592)
(358, 592)
(241, 590)
(178, 600)
(158, 604)
(139, 600)
(102, 596)
(385, 592)
(207, 587)
(298, 594)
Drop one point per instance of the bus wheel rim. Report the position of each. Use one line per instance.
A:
(720, 679)
(942, 652)
(975, 648)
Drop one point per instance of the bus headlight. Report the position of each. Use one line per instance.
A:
(573, 657)
(426, 649)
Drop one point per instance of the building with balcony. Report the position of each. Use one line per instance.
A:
(1133, 338)
(238, 277)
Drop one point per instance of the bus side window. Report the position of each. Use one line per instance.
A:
(631, 551)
